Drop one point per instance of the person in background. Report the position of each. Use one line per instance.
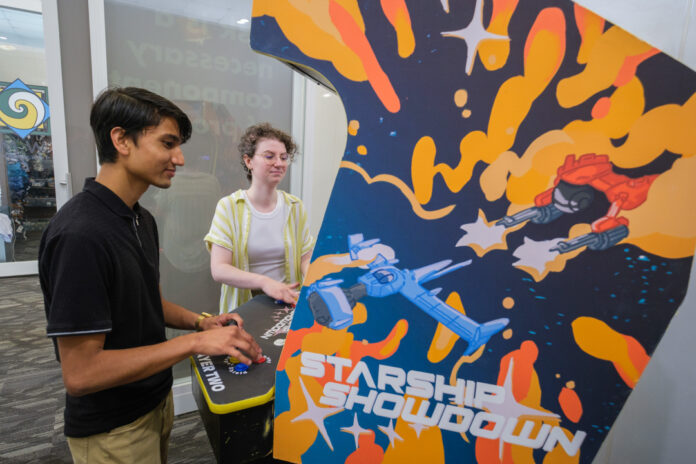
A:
(99, 273)
(259, 239)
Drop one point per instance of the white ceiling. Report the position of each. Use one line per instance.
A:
(225, 12)
(20, 28)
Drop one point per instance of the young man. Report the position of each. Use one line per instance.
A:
(99, 272)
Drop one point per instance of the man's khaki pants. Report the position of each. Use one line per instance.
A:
(145, 440)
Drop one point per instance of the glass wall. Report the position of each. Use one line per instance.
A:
(27, 187)
(197, 54)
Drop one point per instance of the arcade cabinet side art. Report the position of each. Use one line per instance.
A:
(508, 236)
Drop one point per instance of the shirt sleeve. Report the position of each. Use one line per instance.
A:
(222, 229)
(74, 272)
(306, 237)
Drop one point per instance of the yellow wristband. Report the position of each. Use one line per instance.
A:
(197, 324)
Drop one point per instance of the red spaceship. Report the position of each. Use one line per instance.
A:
(574, 190)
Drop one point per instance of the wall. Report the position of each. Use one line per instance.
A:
(29, 64)
(77, 90)
(654, 426)
(324, 142)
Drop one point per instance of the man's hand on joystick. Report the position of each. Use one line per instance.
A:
(260, 360)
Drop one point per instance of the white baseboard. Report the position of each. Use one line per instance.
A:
(18, 268)
(183, 397)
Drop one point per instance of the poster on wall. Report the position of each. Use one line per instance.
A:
(24, 109)
(510, 232)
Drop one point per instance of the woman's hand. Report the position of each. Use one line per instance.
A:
(281, 291)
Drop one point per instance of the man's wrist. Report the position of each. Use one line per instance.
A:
(199, 319)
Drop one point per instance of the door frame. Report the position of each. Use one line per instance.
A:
(49, 13)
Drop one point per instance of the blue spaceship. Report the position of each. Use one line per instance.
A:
(332, 305)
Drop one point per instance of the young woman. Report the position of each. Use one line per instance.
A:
(259, 240)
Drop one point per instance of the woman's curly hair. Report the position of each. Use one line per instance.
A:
(251, 137)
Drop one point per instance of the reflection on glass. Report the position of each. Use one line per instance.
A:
(27, 187)
(205, 65)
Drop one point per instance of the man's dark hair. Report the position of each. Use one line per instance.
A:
(264, 130)
(134, 110)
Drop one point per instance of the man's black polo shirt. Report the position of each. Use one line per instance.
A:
(99, 273)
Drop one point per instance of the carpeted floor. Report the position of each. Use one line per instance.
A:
(32, 394)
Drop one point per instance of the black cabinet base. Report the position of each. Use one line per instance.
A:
(238, 437)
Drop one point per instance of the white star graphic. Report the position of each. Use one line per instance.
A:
(355, 429)
(473, 35)
(511, 408)
(535, 255)
(445, 5)
(418, 428)
(390, 432)
(482, 234)
(316, 414)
